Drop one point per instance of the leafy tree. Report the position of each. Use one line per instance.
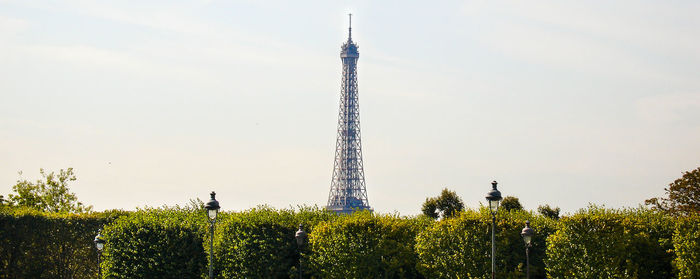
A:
(511, 203)
(447, 205)
(683, 195)
(548, 211)
(49, 194)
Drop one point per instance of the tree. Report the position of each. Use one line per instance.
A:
(511, 203)
(446, 205)
(50, 194)
(3, 202)
(683, 195)
(548, 211)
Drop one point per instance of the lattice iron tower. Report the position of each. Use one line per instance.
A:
(348, 192)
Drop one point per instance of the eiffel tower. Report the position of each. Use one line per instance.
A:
(348, 192)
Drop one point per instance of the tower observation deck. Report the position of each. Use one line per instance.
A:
(348, 192)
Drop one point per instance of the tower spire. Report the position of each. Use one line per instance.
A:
(350, 28)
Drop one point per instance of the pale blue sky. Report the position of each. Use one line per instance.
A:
(157, 102)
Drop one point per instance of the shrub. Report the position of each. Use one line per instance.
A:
(608, 243)
(36, 244)
(686, 241)
(461, 247)
(260, 243)
(363, 245)
(156, 243)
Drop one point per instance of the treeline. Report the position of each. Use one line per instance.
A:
(259, 243)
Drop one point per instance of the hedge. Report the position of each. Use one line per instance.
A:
(610, 243)
(36, 244)
(686, 241)
(363, 245)
(156, 243)
(460, 247)
(260, 243)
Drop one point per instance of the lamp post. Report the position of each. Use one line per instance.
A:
(301, 239)
(99, 245)
(494, 198)
(527, 234)
(212, 207)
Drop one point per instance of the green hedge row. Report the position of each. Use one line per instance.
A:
(686, 242)
(366, 246)
(155, 243)
(259, 243)
(609, 243)
(36, 244)
(460, 247)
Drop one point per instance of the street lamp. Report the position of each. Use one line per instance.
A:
(527, 234)
(301, 239)
(494, 198)
(212, 207)
(99, 244)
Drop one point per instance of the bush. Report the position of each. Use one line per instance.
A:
(609, 243)
(362, 245)
(36, 244)
(461, 247)
(686, 241)
(260, 243)
(156, 243)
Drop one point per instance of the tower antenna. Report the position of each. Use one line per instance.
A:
(350, 27)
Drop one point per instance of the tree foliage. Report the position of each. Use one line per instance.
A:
(511, 203)
(446, 205)
(49, 194)
(686, 242)
(683, 195)
(549, 211)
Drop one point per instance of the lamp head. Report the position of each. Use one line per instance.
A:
(494, 197)
(527, 233)
(212, 206)
(99, 241)
(300, 235)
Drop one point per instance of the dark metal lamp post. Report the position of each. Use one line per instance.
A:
(301, 239)
(527, 234)
(99, 244)
(494, 198)
(212, 207)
